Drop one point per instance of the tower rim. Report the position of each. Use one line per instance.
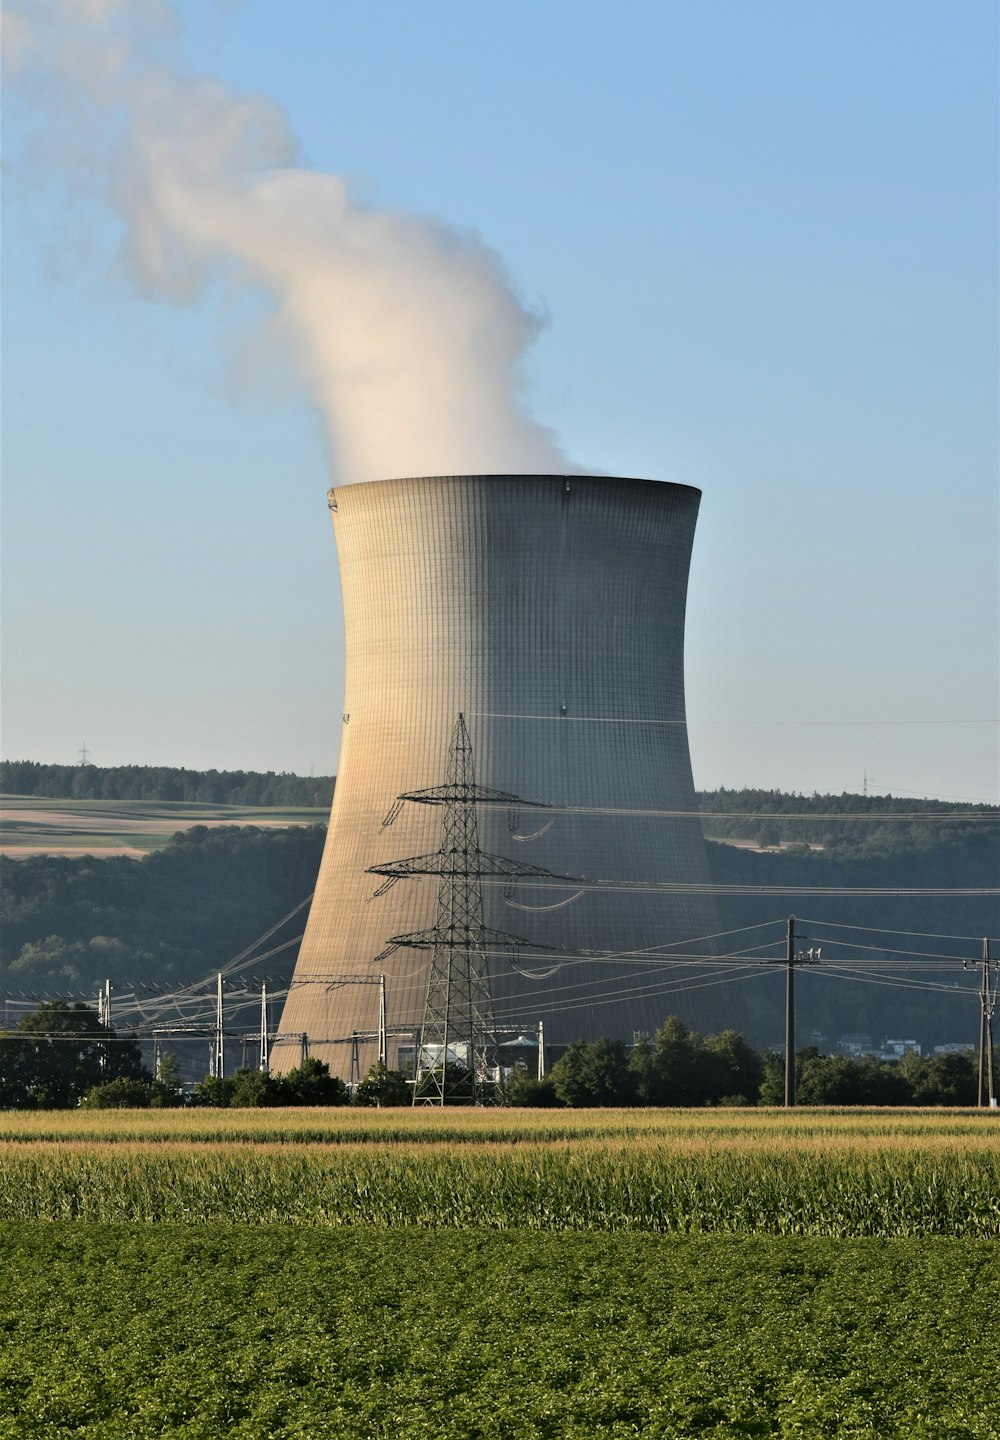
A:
(561, 476)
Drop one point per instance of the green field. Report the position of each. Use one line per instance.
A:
(210, 1331)
(498, 1274)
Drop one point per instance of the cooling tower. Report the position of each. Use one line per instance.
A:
(548, 611)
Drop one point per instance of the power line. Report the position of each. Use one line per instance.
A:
(669, 887)
(647, 991)
(626, 720)
(928, 955)
(885, 817)
(836, 971)
(881, 930)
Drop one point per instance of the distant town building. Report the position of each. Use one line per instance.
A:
(896, 1049)
(854, 1043)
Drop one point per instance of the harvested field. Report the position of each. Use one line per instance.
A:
(34, 826)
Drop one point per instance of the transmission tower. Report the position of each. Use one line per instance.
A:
(457, 1051)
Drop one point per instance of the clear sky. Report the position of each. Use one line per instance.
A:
(764, 241)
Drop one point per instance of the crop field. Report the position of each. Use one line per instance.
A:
(881, 1174)
(215, 1331)
(490, 1274)
(30, 825)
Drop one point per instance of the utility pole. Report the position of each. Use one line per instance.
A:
(383, 1048)
(987, 1008)
(104, 1004)
(793, 958)
(104, 1018)
(541, 1050)
(218, 1049)
(265, 1064)
(790, 1014)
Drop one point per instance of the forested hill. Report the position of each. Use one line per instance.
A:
(167, 920)
(846, 827)
(163, 782)
(182, 912)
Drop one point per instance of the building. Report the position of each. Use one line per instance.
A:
(547, 611)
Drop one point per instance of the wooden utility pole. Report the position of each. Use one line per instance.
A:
(987, 1007)
(793, 958)
(790, 1014)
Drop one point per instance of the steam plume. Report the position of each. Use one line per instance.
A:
(406, 332)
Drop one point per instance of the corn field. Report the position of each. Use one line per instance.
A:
(879, 1174)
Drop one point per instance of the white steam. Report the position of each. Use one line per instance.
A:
(405, 332)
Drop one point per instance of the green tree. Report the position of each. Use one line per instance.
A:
(529, 1092)
(680, 1070)
(943, 1079)
(215, 1092)
(592, 1075)
(735, 1068)
(58, 1053)
(121, 1094)
(168, 1086)
(311, 1084)
(844, 1080)
(383, 1087)
(18, 1088)
(865, 1080)
(252, 1089)
(772, 1084)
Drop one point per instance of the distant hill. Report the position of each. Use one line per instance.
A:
(167, 920)
(864, 827)
(163, 782)
(174, 917)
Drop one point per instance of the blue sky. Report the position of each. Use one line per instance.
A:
(765, 241)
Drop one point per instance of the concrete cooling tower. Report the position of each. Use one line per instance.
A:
(548, 612)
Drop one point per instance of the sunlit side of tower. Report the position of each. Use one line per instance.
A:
(549, 612)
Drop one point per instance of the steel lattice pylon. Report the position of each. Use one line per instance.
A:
(457, 1044)
(458, 1048)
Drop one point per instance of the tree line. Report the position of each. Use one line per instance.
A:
(679, 1067)
(62, 1056)
(846, 826)
(164, 783)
